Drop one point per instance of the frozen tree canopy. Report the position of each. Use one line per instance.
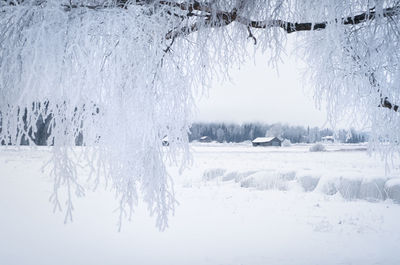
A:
(121, 75)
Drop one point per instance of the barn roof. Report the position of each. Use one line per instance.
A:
(264, 139)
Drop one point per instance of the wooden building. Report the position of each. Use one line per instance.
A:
(267, 141)
(328, 139)
(205, 139)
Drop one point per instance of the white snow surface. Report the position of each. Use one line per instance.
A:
(238, 204)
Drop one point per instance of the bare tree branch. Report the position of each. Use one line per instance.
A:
(223, 18)
(291, 27)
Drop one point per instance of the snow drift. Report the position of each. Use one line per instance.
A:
(350, 188)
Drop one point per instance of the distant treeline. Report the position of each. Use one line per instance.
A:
(229, 132)
(221, 132)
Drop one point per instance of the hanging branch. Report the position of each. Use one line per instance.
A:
(385, 103)
(209, 17)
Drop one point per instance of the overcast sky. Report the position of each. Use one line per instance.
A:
(258, 93)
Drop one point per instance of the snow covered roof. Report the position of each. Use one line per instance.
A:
(263, 139)
(328, 137)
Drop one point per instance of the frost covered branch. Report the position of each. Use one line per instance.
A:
(217, 18)
(224, 18)
(213, 17)
(291, 27)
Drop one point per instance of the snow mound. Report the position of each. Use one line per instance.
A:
(327, 186)
(213, 173)
(289, 175)
(349, 187)
(267, 180)
(308, 182)
(373, 190)
(392, 188)
(317, 148)
(286, 143)
(237, 176)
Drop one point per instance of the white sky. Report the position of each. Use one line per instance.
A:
(258, 93)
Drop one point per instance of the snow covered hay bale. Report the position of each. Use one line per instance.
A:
(230, 176)
(265, 180)
(288, 175)
(373, 189)
(392, 188)
(211, 174)
(308, 183)
(349, 188)
(327, 186)
(237, 176)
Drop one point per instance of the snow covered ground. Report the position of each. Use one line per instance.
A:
(238, 205)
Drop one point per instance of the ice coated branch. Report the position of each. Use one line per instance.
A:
(212, 17)
(220, 18)
(291, 27)
(224, 18)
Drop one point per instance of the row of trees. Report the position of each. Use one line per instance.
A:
(228, 132)
(223, 132)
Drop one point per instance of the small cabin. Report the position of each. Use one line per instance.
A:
(328, 139)
(267, 141)
(205, 139)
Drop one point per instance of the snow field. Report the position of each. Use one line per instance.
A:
(345, 170)
(280, 217)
